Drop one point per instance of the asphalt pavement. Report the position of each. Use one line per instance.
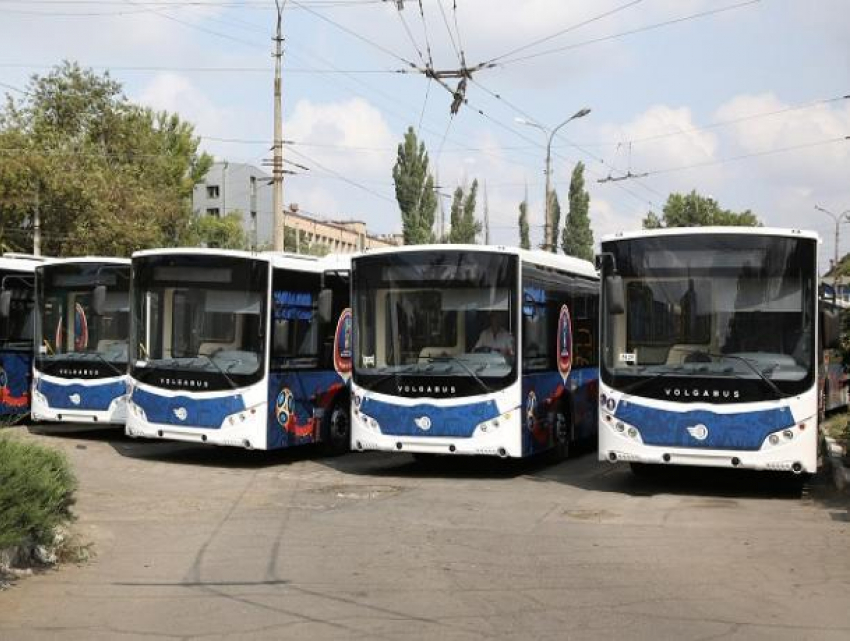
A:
(200, 542)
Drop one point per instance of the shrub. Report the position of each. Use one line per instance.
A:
(36, 492)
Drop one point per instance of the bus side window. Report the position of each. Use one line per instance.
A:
(295, 337)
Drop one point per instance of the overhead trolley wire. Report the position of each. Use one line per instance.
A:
(650, 27)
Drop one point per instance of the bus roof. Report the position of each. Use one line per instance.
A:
(536, 257)
(704, 231)
(284, 260)
(20, 262)
(83, 260)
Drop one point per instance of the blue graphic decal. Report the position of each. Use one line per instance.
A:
(292, 305)
(702, 428)
(294, 398)
(548, 389)
(208, 413)
(74, 396)
(15, 379)
(459, 421)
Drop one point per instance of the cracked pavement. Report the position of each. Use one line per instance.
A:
(196, 542)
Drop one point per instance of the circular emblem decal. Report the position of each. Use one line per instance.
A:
(531, 411)
(699, 432)
(181, 413)
(4, 379)
(423, 423)
(565, 343)
(283, 407)
(343, 342)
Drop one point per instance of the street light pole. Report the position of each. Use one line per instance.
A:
(838, 218)
(548, 232)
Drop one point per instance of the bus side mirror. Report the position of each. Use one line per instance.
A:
(599, 261)
(326, 299)
(98, 300)
(614, 294)
(830, 329)
(5, 303)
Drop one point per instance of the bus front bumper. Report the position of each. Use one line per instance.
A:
(797, 454)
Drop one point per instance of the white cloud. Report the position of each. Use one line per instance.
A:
(353, 123)
(175, 93)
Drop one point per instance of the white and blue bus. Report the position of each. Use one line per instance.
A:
(240, 349)
(710, 344)
(469, 349)
(81, 328)
(17, 305)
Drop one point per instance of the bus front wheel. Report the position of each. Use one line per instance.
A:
(561, 428)
(339, 430)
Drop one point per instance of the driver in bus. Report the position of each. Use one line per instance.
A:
(496, 338)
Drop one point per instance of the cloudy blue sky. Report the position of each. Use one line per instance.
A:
(739, 100)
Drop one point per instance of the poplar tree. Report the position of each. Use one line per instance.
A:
(465, 228)
(414, 191)
(524, 240)
(577, 237)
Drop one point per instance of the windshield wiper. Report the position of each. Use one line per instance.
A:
(230, 381)
(749, 364)
(454, 359)
(646, 381)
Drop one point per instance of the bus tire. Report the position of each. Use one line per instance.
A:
(562, 433)
(338, 429)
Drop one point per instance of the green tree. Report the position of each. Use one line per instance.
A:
(577, 237)
(414, 191)
(303, 246)
(556, 219)
(107, 176)
(693, 210)
(465, 227)
(524, 240)
(225, 232)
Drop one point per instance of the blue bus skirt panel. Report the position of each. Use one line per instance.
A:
(541, 394)
(15, 379)
(297, 404)
(183, 411)
(81, 397)
(454, 421)
(740, 431)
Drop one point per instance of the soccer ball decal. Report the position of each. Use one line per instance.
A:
(284, 407)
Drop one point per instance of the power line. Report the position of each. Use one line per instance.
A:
(161, 68)
(658, 25)
(758, 154)
(569, 29)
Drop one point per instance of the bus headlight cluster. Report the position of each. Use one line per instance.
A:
(244, 415)
(494, 423)
(137, 411)
(367, 420)
(783, 436)
(622, 428)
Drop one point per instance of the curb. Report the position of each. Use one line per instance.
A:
(835, 456)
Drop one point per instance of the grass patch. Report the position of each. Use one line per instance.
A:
(36, 492)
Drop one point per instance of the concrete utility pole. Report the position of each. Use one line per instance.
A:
(277, 162)
(548, 232)
(36, 227)
(486, 216)
(838, 218)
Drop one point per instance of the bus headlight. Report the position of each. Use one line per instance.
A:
(368, 421)
(783, 436)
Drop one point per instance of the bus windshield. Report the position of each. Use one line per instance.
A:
(16, 328)
(734, 308)
(435, 323)
(199, 321)
(68, 330)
